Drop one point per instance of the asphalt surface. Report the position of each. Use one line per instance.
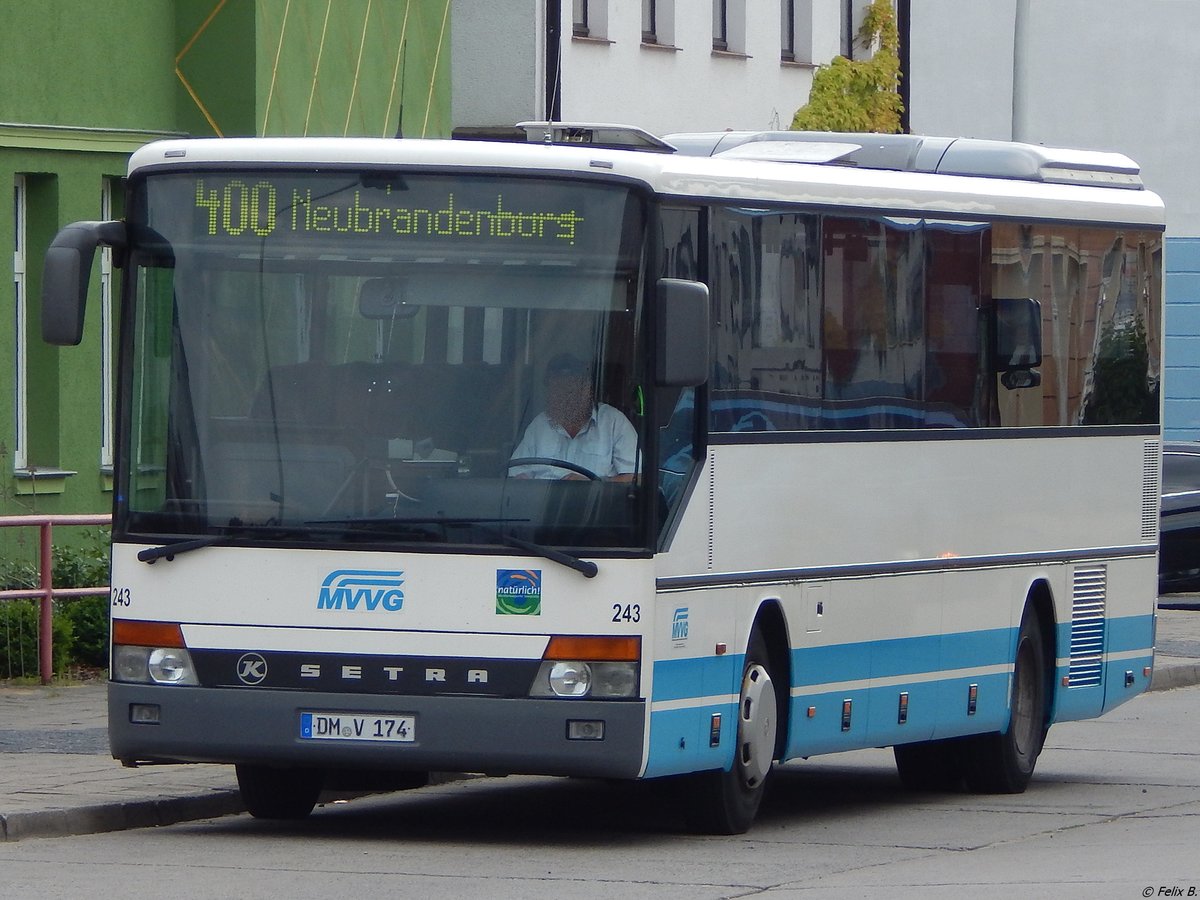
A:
(57, 777)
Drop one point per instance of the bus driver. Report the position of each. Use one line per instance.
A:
(574, 428)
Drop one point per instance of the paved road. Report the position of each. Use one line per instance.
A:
(1111, 813)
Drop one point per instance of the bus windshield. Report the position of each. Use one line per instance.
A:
(347, 357)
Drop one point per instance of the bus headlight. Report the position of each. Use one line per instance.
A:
(614, 679)
(597, 666)
(576, 678)
(131, 664)
(171, 665)
(153, 665)
(570, 679)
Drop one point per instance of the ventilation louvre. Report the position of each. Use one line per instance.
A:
(1087, 627)
(1151, 481)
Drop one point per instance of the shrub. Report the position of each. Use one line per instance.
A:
(19, 639)
(80, 625)
(88, 620)
(860, 95)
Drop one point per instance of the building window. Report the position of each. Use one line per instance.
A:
(650, 21)
(20, 348)
(796, 31)
(787, 30)
(720, 24)
(847, 29)
(658, 23)
(589, 19)
(729, 26)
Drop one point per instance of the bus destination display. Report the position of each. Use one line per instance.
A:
(261, 208)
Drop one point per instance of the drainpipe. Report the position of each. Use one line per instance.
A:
(1020, 48)
(553, 73)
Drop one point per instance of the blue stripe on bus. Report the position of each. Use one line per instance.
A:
(936, 706)
(897, 657)
(934, 710)
(1130, 633)
(1116, 691)
(679, 740)
(705, 676)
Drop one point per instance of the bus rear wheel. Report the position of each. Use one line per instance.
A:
(726, 802)
(1003, 762)
(279, 793)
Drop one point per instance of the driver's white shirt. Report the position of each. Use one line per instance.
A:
(606, 445)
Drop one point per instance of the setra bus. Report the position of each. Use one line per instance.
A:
(895, 412)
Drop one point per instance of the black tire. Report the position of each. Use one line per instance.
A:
(1003, 762)
(932, 766)
(727, 802)
(279, 793)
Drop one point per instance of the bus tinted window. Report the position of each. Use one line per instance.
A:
(1098, 289)
(836, 323)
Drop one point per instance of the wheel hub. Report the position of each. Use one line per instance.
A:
(756, 726)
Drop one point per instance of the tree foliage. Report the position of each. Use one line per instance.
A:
(860, 95)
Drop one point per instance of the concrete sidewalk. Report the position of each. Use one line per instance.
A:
(57, 778)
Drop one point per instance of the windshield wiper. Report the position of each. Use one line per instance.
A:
(585, 567)
(170, 551)
(375, 527)
(151, 555)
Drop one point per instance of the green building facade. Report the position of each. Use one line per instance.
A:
(83, 83)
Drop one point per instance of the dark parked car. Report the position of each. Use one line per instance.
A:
(1179, 529)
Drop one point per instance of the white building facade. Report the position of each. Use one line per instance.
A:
(663, 65)
(1116, 75)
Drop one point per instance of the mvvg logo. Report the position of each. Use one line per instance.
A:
(679, 626)
(363, 589)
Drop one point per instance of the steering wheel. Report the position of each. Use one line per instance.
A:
(557, 463)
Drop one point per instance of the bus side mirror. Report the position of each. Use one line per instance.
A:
(65, 276)
(1017, 341)
(682, 358)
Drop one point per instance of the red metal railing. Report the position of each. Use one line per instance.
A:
(46, 591)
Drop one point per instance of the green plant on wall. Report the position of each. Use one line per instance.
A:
(860, 95)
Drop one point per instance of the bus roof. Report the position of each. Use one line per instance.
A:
(1005, 180)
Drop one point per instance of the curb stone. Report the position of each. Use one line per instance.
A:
(106, 817)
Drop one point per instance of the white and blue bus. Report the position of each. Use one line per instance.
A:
(895, 405)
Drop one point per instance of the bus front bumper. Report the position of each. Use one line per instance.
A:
(154, 723)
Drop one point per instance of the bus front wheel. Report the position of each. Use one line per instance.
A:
(279, 793)
(726, 802)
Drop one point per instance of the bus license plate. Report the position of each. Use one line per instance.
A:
(332, 726)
